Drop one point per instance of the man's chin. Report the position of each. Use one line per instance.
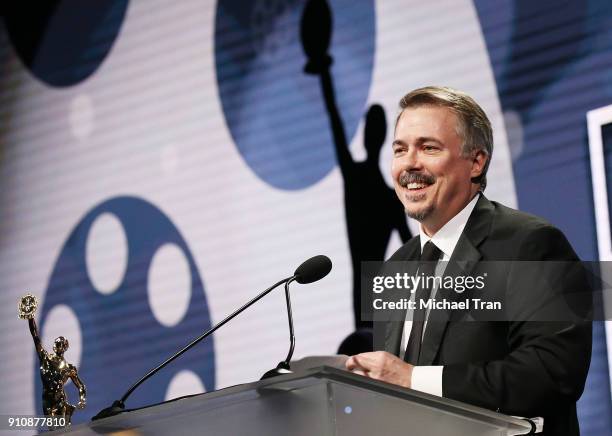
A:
(419, 214)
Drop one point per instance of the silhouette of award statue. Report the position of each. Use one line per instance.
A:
(54, 370)
(371, 206)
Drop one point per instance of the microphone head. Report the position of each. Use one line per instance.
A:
(313, 269)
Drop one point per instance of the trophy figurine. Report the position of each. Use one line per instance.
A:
(54, 370)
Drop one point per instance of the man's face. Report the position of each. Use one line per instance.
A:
(431, 177)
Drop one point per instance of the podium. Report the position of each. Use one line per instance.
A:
(319, 401)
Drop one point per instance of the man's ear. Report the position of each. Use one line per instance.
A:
(479, 161)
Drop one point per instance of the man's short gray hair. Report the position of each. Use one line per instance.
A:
(473, 127)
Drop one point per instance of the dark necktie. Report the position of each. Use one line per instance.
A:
(427, 266)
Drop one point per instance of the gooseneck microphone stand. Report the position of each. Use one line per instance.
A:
(284, 367)
(309, 271)
(119, 405)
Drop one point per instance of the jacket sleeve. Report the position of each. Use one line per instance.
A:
(548, 360)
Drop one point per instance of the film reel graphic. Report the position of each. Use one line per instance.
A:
(122, 337)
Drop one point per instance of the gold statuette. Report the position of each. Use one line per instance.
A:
(54, 370)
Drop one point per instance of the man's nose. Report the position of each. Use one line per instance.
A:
(412, 159)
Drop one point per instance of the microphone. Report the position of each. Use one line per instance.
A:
(313, 269)
(309, 271)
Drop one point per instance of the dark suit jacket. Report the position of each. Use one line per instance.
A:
(514, 367)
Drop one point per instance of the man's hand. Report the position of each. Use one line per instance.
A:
(383, 366)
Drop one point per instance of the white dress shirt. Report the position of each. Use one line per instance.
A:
(429, 378)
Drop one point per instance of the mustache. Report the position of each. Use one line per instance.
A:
(408, 177)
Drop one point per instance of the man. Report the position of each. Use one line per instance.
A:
(442, 149)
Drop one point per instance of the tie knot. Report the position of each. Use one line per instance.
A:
(430, 253)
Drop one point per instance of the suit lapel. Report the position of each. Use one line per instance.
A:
(463, 260)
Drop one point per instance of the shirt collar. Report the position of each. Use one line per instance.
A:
(447, 237)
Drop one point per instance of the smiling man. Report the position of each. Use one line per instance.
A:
(441, 152)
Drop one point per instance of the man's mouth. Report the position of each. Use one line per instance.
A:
(416, 183)
(415, 186)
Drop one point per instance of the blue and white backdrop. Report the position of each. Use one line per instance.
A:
(162, 162)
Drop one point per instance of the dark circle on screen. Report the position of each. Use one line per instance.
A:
(63, 42)
(122, 339)
(274, 111)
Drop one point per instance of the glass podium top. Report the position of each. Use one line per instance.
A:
(318, 401)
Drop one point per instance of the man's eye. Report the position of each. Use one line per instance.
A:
(428, 147)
